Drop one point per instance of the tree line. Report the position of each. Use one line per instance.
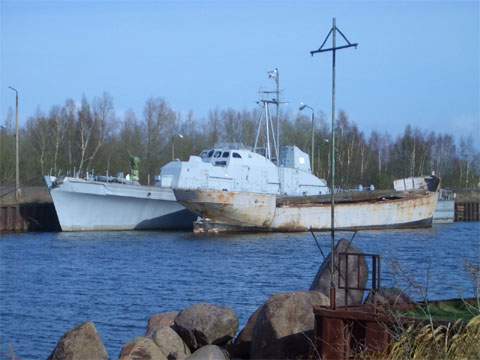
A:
(89, 136)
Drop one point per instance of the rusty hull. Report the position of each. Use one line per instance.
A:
(264, 212)
(238, 209)
(411, 211)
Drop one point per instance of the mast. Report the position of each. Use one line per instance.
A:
(269, 129)
(333, 49)
(272, 128)
(277, 115)
(275, 75)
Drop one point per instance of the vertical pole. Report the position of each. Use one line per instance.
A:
(313, 141)
(17, 152)
(332, 182)
(277, 83)
(173, 148)
(267, 120)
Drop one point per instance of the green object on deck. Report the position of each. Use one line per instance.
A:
(135, 167)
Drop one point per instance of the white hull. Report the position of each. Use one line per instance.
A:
(238, 211)
(445, 212)
(89, 206)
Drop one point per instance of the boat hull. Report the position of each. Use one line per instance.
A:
(229, 207)
(95, 206)
(410, 210)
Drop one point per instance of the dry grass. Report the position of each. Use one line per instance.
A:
(444, 342)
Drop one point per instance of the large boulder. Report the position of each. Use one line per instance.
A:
(170, 343)
(388, 297)
(82, 342)
(209, 352)
(160, 320)
(142, 348)
(205, 324)
(240, 348)
(284, 326)
(357, 275)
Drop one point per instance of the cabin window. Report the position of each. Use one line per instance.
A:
(210, 153)
(221, 163)
(236, 155)
(217, 154)
(226, 154)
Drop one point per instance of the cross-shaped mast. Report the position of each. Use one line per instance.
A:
(333, 31)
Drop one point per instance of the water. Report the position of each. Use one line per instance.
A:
(49, 282)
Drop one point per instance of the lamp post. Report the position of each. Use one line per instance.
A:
(173, 144)
(18, 192)
(302, 107)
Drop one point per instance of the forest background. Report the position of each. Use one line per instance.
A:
(88, 135)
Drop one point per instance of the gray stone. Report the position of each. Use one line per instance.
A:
(240, 348)
(80, 343)
(388, 297)
(322, 279)
(171, 343)
(160, 320)
(142, 348)
(204, 324)
(208, 352)
(284, 326)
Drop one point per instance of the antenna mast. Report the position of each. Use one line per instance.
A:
(275, 75)
(269, 129)
(333, 31)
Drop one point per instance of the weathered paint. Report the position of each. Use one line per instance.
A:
(89, 205)
(250, 211)
(414, 210)
(228, 207)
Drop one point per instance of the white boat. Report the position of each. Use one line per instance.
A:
(115, 204)
(273, 189)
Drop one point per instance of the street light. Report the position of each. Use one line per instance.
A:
(17, 167)
(173, 144)
(301, 108)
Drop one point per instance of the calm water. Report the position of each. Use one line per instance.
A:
(50, 282)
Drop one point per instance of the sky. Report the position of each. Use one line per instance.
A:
(417, 62)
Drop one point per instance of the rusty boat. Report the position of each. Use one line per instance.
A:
(249, 211)
(272, 188)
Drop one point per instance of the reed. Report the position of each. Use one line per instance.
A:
(458, 340)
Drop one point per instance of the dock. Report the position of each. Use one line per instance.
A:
(35, 211)
(467, 205)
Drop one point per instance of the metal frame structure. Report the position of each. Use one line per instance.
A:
(376, 273)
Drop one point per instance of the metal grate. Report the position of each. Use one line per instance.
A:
(376, 275)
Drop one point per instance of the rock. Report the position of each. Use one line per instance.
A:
(284, 326)
(170, 343)
(205, 324)
(388, 297)
(142, 348)
(322, 279)
(209, 352)
(160, 320)
(241, 345)
(82, 342)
